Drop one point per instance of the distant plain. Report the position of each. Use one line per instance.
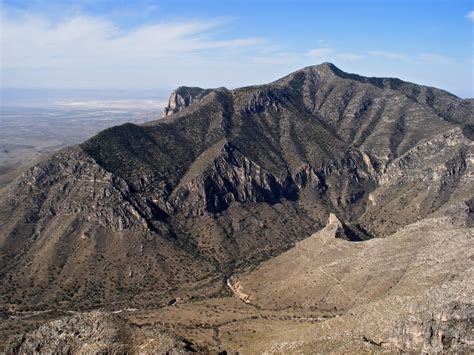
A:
(34, 126)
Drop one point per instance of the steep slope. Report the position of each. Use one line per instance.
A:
(409, 292)
(326, 272)
(142, 214)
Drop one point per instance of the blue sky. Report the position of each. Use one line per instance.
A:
(147, 45)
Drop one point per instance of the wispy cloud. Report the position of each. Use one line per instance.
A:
(68, 47)
(433, 58)
(350, 56)
(85, 47)
(470, 16)
(389, 55)
(276, 58)
(320, 52)
(36, 42)
(329, 53)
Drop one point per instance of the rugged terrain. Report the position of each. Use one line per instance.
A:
(323, 211)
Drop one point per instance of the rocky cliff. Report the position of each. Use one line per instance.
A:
(182, 97)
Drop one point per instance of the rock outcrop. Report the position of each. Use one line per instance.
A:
(95, 332)
(445, 329)
(182, 97)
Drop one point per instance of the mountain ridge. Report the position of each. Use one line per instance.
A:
(141, 215)
(152, 223)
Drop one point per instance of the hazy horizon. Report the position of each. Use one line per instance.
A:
(69, 98)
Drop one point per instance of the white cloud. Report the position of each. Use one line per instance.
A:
(470, 16)
(350, 56)
(93, 52)
(81, 50)
(320, 52)
(276, 58)
(433, 58)
(38, 43)
(388, 55)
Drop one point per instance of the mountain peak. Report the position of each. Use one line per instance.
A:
(325, 67)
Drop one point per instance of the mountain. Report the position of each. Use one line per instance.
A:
(230, 181)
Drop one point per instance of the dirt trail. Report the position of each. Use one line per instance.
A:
(236, 287)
